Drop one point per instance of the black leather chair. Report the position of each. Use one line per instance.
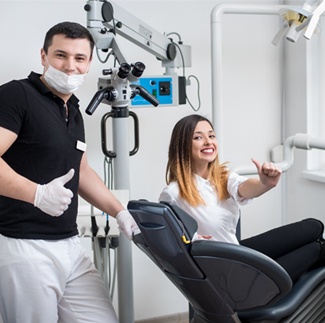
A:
(224, 282)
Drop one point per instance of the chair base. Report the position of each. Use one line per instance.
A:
(220, 319)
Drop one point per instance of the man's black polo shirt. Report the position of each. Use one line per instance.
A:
(44, 150)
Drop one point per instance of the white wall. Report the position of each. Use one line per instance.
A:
(252, 104)
(305, 114)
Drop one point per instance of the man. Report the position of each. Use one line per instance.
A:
(45, 274)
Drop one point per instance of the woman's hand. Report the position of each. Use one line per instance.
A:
(269, 176)
(204, 237)
(268, 173)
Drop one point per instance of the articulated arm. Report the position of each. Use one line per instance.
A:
(300, 141)
(106, 19)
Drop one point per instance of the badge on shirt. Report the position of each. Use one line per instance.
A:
(81, 145)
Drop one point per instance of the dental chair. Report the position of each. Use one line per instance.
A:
(224, 282)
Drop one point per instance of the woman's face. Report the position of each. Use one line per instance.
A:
(204, 145)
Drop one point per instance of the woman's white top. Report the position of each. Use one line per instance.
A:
(216, 218)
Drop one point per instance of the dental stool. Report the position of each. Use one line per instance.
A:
(224, 282)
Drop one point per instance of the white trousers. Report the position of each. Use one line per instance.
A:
(49, 282)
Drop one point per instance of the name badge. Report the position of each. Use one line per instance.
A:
(81, 145)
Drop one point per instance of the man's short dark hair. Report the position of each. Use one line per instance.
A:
(70, 30)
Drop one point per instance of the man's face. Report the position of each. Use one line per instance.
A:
(71, 56)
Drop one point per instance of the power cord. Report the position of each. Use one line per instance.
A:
(188, 79)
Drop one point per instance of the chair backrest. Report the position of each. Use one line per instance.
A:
(165, 238)
(218, 279)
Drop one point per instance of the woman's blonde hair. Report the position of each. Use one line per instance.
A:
(180, 168)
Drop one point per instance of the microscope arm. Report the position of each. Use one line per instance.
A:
(106, 19)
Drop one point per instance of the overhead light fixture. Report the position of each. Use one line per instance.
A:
(297, 19)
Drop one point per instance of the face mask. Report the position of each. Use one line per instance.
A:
(63, 82)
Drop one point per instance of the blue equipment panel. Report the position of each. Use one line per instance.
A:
(160, 87)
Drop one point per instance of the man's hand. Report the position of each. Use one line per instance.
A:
(126, 224)
(53, 198)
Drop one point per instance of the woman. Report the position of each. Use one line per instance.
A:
(206, 189)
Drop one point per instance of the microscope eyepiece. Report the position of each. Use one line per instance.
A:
(124, 70)
(137, 69)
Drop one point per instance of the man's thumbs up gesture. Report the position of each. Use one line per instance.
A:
(53, 198)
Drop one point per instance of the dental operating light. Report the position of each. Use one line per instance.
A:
(299, 19)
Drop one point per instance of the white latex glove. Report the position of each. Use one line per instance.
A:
(53, 198)
(126, 224)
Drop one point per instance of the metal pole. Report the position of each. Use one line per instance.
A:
(124, 250)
